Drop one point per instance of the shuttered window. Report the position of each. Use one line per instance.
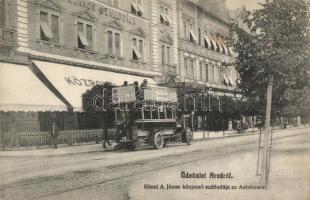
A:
(114, 43)
(117, 44)
(137, 49)
(85, 35)
(55, 29)
(2, 13)
(110, 42)
(49, 27)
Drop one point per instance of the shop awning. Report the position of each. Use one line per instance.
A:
(207, 39)
(72, 81)
(226, 49)
(21, 90)
(193, 35)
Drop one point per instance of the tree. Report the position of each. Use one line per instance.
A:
(274, 56)
(96, 102)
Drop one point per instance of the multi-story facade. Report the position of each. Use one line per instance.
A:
(57, 49)
(204, 58)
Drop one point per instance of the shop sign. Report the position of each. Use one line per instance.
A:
(103, 11)
(124, 94)
(160, 94)
(74, 81)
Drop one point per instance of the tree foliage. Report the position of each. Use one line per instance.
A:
(99, 108)
(277, 45)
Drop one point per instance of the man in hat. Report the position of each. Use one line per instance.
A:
(54, 131)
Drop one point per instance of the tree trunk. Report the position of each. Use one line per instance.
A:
(265, 159)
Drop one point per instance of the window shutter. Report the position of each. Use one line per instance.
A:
(141, 48)
(168, 56)
(163, 54)
(110, 42)
(55, 28)
(2, 13)
(117, 44)
(46, 33)
(89, 35)
(83, 39)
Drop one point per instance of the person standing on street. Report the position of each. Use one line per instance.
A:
(54, 131)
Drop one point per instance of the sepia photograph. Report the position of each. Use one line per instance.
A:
(154, 99)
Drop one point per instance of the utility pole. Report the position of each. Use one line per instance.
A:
(265, 164)
(267, 135)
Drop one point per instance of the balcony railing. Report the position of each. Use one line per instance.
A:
(204, 52)
(132, 64)
(7, 37)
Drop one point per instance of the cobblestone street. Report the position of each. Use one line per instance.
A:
(118, 175)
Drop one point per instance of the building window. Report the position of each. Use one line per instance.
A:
(216, 72)
(115, 3)
(186, 68)
(165, 55)
(49, 27)
(192, 36)
(200, 71)
(199, 36)
(211, 73)
(192, 74)
(223, 47)
(164, 15)
(85, 35)
(220, 74)
(217, 46)
(136, 7)
(185, 28)
(207, 72)
(2, 13)
(206, 44)
(114, 43)
(212, 45)
(137, 49)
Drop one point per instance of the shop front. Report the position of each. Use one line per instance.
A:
(34, 96)
(71, 82)
(25, 102)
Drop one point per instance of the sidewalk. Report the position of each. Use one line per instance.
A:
(199, 135)
(67, 150)
(79, 149)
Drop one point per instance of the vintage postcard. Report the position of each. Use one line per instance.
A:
(154, 99)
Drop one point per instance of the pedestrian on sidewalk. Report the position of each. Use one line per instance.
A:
(54, 132)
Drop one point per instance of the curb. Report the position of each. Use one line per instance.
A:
(15, 153)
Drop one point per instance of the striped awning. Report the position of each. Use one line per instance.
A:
(72, 81)
(22, 90)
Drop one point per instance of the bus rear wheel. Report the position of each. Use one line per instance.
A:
(158, 140)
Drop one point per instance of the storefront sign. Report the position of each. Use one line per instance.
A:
(116, 15)
(123, 94)
(85, 4)
(74, 81)
(103, 11)
(160, 94)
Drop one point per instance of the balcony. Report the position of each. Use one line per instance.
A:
(186, 45)
(7, 37)
(130, 64)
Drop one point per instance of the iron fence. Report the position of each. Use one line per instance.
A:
(39, 138)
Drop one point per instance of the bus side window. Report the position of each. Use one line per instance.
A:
(155, 113)
(169, 113)
(162, 112)
(146, 111)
